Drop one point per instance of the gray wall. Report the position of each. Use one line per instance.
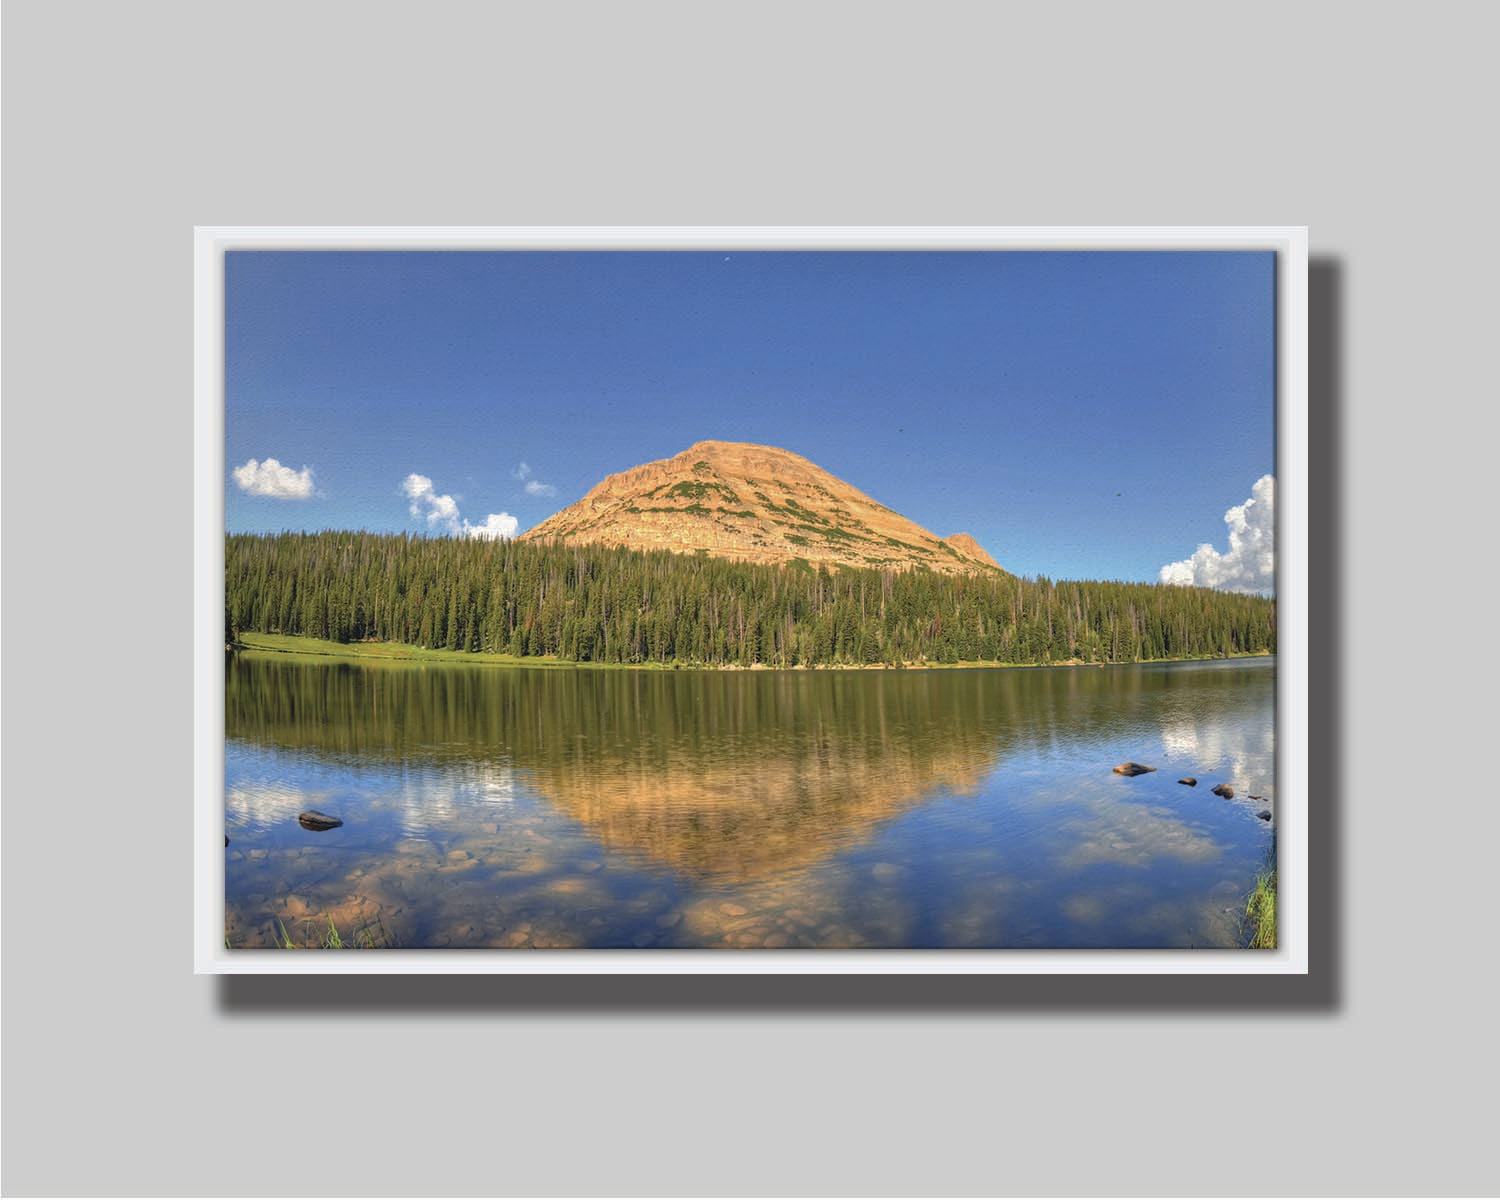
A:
(126, 124)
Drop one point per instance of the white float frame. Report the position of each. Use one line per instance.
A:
(1291, 958)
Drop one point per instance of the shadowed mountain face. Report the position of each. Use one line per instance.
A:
(756, 504)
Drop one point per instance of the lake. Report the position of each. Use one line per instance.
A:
(488, 806)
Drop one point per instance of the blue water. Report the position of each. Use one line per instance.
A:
(510, 808)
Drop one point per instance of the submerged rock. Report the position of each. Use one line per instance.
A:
(1264, 814)
(316, 821)
(1132, 768)
(1223, 789)
(1189, 780)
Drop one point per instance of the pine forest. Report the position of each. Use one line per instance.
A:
(596, 604)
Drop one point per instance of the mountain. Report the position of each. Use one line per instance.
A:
(756, 504)
(968, 547)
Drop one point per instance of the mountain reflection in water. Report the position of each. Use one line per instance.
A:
(489, 806)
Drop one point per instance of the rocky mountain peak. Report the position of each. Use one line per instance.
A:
(756, 504)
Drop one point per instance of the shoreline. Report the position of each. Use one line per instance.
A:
(396, 653)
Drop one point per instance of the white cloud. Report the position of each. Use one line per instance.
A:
(441, 512)
(496, 526)
(270, 478)
(1249, 565)
(534, 487)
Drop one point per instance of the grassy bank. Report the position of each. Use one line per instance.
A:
(314, 937)
(391, 652)
(395, 652)
(1260, 908)
(366, 936)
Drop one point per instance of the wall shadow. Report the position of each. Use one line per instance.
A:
(1321, 990)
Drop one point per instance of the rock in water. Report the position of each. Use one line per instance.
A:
(1189, 780)
(1264, 814)
(1223, 789)
(313, 819)
(1132, 768)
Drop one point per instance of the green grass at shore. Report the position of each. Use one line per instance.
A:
(397, 652)
(1260, 911)
(314, 937)
(365, 936)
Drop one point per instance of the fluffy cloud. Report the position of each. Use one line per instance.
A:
(1250, 563)
(270, 478)
(440, 512)
(442, 515)
(534, 487)
(496, 526)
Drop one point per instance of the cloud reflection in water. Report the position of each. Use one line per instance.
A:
(495, 808)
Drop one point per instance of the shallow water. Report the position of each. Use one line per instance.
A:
(506, 807)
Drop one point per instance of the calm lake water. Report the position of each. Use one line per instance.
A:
(504, 807)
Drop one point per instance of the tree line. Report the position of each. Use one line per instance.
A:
(613, 605)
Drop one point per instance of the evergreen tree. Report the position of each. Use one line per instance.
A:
(594, 604)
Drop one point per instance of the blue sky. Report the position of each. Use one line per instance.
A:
(1083, 414)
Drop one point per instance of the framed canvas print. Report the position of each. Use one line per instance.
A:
(746, 600)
